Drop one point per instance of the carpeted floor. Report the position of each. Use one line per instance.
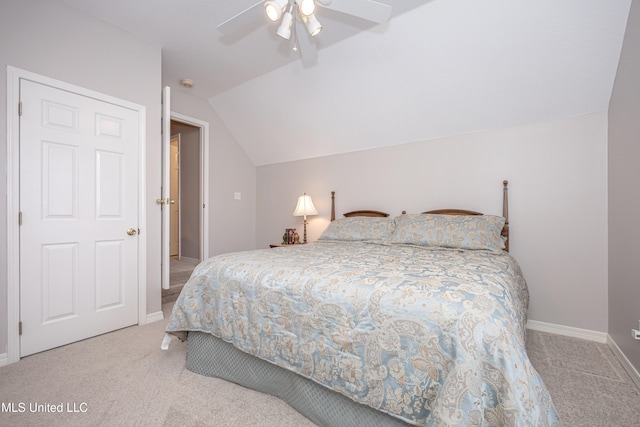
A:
(124, 379)
(588, 385)
(179, 273)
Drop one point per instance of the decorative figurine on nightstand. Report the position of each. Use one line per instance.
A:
(290, 237)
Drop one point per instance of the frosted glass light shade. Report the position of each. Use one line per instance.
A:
(305, 206)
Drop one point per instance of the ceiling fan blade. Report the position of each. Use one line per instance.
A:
(365, 9)
(306, 45)
(242, 20)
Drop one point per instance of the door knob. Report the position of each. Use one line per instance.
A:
(131, 232)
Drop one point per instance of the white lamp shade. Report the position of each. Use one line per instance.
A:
(305, 206)
(313, 25)
(274, 9)
(284, 30)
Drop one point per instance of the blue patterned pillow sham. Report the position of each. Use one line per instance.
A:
(480, 232)
(359, 229)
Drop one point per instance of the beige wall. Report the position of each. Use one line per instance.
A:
(558, 209)
(232, 225)
(53, 40)
(624, 195)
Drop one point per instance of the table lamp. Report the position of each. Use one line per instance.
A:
(305, 207)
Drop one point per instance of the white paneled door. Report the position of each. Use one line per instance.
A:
(79, 217)
(166, 187)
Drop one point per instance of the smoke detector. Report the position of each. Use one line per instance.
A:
(187, 83)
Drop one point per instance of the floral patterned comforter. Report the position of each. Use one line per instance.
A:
(434, 337)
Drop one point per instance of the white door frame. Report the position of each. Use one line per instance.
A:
(204, 178)
(14, 75)
(171, 139)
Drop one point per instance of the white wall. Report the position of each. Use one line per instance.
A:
(624, 195)
(232, 225)
(558, 200)
(49, 38)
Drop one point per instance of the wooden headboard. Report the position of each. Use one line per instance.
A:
(505, 212)
(376, 214)
(370, 213)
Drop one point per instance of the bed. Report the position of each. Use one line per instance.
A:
(417, 319)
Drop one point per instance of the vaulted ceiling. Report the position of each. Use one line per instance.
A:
(437, 68)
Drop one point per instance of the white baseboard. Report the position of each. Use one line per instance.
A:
(626, 364)
(567, 331)
(4, 359)
(194, 261)
(154, 317)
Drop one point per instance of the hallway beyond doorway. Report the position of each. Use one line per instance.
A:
(180, 272)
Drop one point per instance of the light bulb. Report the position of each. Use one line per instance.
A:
(307, 7)
(274, 9)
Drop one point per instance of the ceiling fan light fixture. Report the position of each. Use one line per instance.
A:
(275, 8)
(313, 25)
(307, 7)
(284, 30)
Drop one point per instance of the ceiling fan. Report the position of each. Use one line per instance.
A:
(298, 22)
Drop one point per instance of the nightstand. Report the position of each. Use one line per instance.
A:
(284, 245)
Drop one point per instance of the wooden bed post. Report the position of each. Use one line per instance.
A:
(505, 212)
(333, 206)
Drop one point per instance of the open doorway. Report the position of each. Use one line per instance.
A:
(185, 206)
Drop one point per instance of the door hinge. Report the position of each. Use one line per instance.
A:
(19, 328)
(19, 218)
(20, 108)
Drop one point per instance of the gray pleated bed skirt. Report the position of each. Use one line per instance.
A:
(211, 356)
